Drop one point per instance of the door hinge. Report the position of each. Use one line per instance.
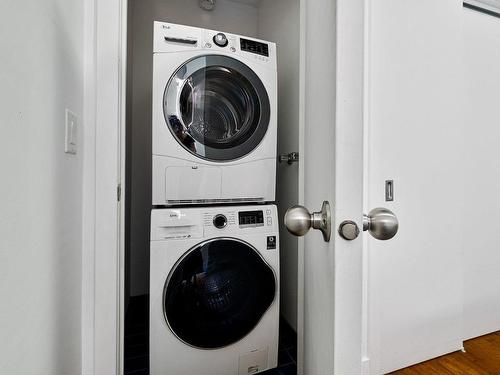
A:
(119, 192)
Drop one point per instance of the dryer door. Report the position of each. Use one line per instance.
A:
(216, 107)
(217, 293)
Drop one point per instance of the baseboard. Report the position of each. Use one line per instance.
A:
(365, 366)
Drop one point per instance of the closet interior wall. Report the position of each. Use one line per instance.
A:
(273, 20)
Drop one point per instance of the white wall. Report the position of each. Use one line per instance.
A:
(278, 22)
(40, 218)
(482, 168)
(227, 16)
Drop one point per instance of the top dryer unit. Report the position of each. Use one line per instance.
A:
(214, 117)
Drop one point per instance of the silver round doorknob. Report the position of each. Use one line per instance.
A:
(298, 220)
(382, 223)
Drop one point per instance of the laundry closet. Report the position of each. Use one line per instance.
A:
(248, 26)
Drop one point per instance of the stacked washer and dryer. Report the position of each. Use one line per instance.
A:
(214, 262)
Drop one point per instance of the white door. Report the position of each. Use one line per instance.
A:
(330, 272)
(414, 137)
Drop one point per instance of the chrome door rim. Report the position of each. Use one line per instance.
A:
(171, 106)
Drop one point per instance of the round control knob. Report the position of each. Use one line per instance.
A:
(220, 221)
(221, 40)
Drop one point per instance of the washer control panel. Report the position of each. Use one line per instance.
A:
(227, 219)
(191, 223)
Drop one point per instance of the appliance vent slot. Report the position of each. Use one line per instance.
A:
(209, 201)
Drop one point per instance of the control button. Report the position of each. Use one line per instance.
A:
(221, 40)
(233, 49)
(269, 221)
(208, 45)
(220, 221)
(268, 212)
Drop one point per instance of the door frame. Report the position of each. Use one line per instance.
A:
(348, 194)
(105, 48)
(104, 44)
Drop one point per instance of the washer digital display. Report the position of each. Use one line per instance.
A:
(251, 218)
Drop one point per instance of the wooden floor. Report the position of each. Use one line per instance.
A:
(481, 357)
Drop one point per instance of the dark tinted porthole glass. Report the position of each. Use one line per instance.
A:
(218, 293)
(216, 107)
(219, 106)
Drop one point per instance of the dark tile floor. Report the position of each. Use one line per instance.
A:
(287, 355)
(136, 346)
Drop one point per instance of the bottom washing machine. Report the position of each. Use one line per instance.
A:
(214, 290)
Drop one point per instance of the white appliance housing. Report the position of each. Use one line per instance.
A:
(214, 117)
(214, 291)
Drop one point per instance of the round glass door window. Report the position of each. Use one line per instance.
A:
(217, 293)
(216, 107)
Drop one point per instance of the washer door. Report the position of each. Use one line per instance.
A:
(216, 107)
(217, 293)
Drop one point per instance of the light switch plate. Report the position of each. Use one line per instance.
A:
(71, 136)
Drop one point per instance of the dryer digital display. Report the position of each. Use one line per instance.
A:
(254, 47)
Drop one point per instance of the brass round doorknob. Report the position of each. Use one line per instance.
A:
(382, 223)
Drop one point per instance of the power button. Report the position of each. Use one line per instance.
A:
(220, 39)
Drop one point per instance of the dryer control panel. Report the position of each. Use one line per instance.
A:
(170, 37)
